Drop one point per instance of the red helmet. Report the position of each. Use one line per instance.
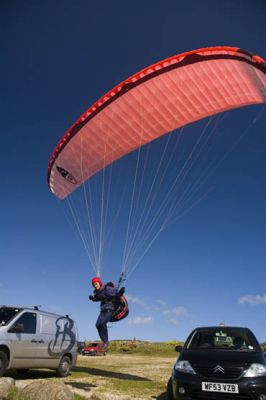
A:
(97, 279)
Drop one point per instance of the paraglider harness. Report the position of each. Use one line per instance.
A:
(121, 304)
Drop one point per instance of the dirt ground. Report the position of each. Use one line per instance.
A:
(115, 377)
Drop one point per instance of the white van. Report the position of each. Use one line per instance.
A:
(32, 338)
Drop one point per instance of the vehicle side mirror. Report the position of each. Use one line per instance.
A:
(17, 328)
(178, 349)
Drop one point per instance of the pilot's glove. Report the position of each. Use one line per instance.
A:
(91, 297)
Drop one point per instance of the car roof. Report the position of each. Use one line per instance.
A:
(221, 327)
(34, 308)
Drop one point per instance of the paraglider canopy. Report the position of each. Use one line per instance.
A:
(160, 98)
(147, 106)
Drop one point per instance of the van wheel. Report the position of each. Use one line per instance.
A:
(170, 395)
(3, 362)
(64, 366)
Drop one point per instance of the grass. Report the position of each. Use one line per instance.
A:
(134, 389)
(14, 394)
(165, 349)
(78, 397)
(133, 369)
(135, 376)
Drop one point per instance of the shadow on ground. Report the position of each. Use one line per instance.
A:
(110, 374)
(43, 374)
(32, 374)
(162, 396)
(80, 385)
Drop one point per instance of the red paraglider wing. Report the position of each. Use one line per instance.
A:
(163, 97)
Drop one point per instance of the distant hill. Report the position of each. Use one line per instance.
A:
(143, 347)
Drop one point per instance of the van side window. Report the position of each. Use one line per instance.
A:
(27, 321)
(49, 324)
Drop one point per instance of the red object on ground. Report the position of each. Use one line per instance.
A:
(94, 349)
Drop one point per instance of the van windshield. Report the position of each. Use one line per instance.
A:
(7, 313)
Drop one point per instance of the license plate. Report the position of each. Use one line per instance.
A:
(219, 387)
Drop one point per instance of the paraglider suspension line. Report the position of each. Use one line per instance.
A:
(122, 278)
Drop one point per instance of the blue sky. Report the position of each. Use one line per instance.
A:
(57, 58)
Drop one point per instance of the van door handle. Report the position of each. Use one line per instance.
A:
(41, 341)
(34, 341)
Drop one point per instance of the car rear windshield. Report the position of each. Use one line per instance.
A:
(7, 313)
(222, 339)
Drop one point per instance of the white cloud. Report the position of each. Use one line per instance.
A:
(140, 321)
(179, 310)
(161, 302)
(173, 321)
(136, 300)
(252, 299)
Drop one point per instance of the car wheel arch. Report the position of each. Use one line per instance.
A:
(6, 350)
(4, 362)
(61, 370)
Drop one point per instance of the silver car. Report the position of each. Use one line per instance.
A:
(32, 338)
